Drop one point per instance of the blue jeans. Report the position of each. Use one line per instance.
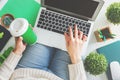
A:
(46, 58)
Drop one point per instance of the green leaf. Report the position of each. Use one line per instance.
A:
(100, 36)
(95, 63)
(113, 35)
(113, 13)
(5, 54)
(104, 38)
(1, 35)
(99, 31)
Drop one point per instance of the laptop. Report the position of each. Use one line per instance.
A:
(55, 16)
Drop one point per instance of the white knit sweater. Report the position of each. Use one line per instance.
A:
(8, 72)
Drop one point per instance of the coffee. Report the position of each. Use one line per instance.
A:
(21, 27)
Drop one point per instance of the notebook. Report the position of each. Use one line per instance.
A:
(112, 53)
(22, 9)
(4, 39)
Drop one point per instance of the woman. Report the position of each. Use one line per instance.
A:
(40, 62)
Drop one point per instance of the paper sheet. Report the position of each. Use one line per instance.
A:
(38, 1)
(2, 3)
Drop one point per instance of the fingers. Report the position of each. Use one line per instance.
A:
(66, 37)
(84, 38)
(19, 39)
(80, 34)
(70, 33)
(76, 31)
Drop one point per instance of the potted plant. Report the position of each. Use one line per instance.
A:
(95, 63)
(113, 13)
(104, 34)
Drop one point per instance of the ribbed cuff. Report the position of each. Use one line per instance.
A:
(12, 60)
(35, 73)
(77, 71)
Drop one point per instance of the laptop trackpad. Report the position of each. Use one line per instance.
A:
(53, 39)
(50, 38)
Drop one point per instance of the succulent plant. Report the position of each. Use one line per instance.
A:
(113, 13)
(95, 63)
(104, 36)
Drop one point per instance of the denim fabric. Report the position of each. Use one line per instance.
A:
(46, 58)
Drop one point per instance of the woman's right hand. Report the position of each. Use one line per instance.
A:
(74, 44)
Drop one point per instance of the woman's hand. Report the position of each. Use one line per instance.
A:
(20, 46)
(74, 44)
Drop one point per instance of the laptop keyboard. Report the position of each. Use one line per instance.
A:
(59, 23)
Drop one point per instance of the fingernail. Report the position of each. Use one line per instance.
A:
(21, 38)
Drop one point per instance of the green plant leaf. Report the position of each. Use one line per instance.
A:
(113, 13)
(104, 38)
(5, 54)
(100, 36)
(1, 35)
(99, 31)
(113, 35)
(95, 63)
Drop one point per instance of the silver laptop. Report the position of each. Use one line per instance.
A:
(55, 16)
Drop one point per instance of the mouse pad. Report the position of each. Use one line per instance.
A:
(112, 53)
(6, 36)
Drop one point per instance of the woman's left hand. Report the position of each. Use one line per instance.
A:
(20, 46)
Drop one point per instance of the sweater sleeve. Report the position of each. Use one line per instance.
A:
(7, 68)
(77, 71)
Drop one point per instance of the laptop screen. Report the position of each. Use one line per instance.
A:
(85, 8)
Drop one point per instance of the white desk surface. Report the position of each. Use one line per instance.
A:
(100, 22)
(2, 3)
